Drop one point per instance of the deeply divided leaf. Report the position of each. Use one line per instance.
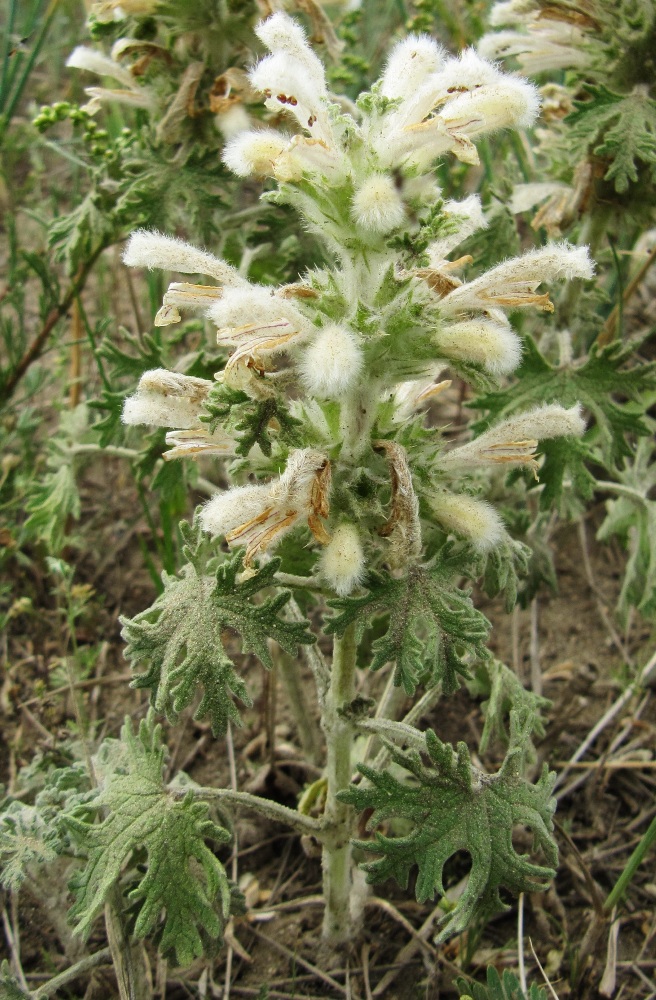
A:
(450, 806)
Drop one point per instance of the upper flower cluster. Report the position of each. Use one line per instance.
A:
(371, 333)
(426, 104)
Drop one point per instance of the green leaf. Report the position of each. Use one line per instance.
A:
(505, 692)
(9, 986)
(451, 806)
(620, 129)
(251, 420)
(506, 987)
(505, 564)
(184, 888)
(632, 518)
(597, 384)
(431, 624)
(181, 636)
(26, 839)
(54, 501)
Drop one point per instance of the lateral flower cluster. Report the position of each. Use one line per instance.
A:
(378, 329)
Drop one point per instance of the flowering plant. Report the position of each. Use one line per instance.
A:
(320, 404)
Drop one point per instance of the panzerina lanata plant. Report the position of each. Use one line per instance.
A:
(320, 409)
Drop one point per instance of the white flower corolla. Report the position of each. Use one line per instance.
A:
(131, 93)
(283, 35)
(332, 363)
(540, 50)
(514, 441)
(258, 516)
(183, 295)
(292, 78)
(268, 153)
(493, 345)
(465, 515)
(514, 282)
(342, 561)
(377, 204)
(539, 42)
(256, 320)
(167, 399)
(410, 396)
(152, 249)
(255, 152)
(194, 442)
(409, 63)
(463, 218)
(82, 57)
(467, 97)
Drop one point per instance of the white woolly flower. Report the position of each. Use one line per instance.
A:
(377, 204)
(258, 516)
(256, 320)
(331, 364)
(514, 282)
(152, 249)
(267, 153)
(342, 561)
(494, 345)
(409, 63)
(167, 399)
(283, 35)
(255, 152)
(465, 515)
(514, 441)
(93, 61)
(467, 97)
(292, 78)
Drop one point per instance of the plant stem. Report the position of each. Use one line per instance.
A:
(84, 965)
(36, 348)
(338, 817)
(272, 810)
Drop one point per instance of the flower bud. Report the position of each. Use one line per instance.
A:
(342, 562)
(493, 345)
(331, 363)
(152, 249)
(409, 63)
(476, 519)
(254, 152)
(377, 204)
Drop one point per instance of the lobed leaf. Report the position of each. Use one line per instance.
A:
(184, 887)
(451, 806)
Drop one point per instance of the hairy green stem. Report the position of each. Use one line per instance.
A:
(266, 807)
(68, 975)
(338, 817)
